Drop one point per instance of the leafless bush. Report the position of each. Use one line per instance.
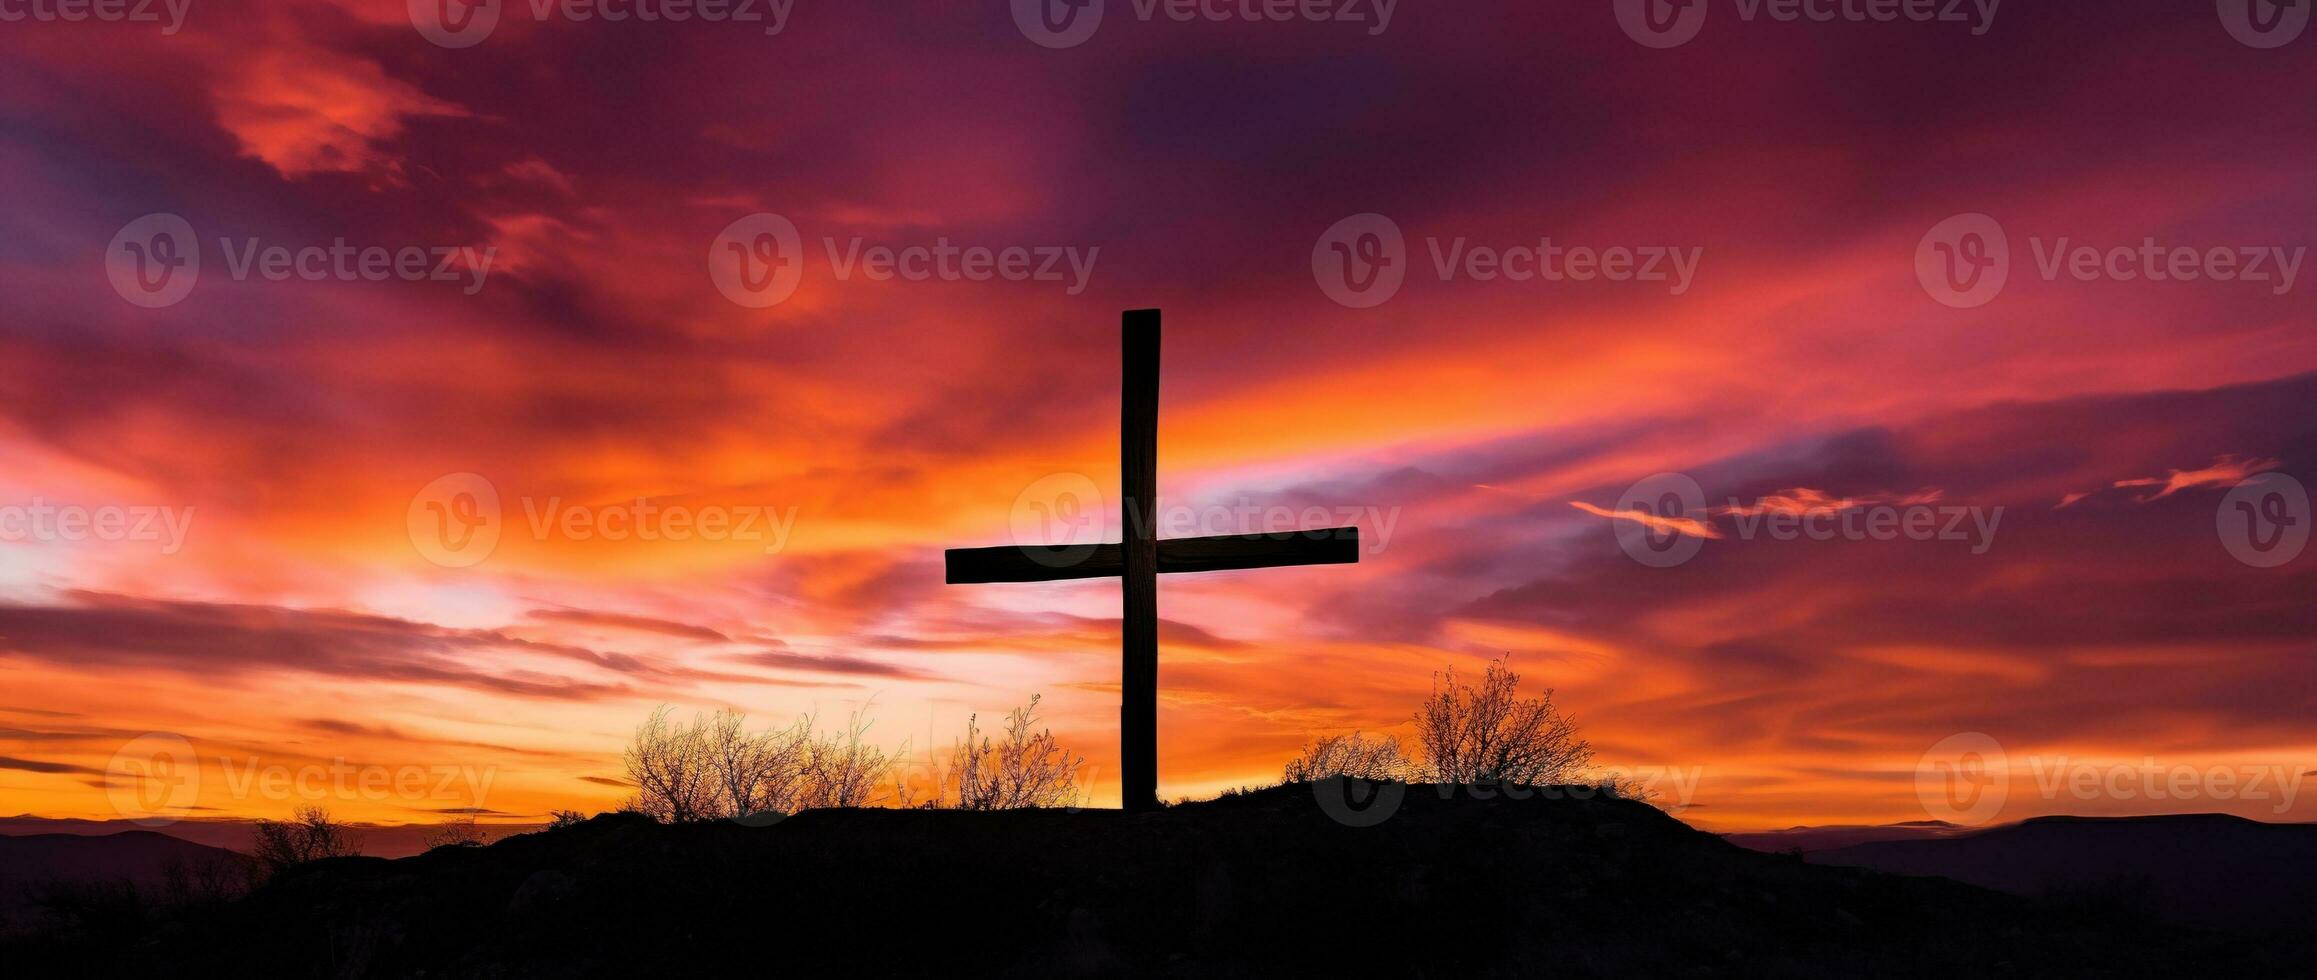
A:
(1627, 788)
(1355, 755)
(561, 819)
(462, 832)
(310, 835)
(905, 793)
(756, 772)
(1491, 734)
(1026, 770)
(840, 768)
(670, 766)
(714, 767)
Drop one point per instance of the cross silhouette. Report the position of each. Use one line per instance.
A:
(1141, 558)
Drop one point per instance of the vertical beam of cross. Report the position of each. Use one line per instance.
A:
(1138, 499)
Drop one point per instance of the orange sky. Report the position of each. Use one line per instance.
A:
(1481, 431)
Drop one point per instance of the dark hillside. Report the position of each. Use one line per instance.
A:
(1265, 884)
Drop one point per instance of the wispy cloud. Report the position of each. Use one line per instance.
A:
(834, 664)
(1690, 526)
(2225, 471)
(640, 624)
(1804, 501)
(47, 768)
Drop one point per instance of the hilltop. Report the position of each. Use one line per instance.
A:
(1259, 884)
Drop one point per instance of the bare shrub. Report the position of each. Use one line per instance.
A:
(714, 768)
(309, 835)
(841, 769)
(1622, 787)
(670, 765)
(1026, 770)
(561, 819)
(906, 794)
(462, 832)
(1492, 734)
(1356, 755)
(756, 772)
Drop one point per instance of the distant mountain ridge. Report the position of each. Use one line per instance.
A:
(139, 859)
(235, 833)
(139, 856)
(2211, 870)
(1822, 838)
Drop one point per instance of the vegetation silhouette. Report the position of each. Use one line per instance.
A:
(1467, 734)
(310, 835)
(1572, 880)
(1025, 771)
(459, 832)
(713, 768)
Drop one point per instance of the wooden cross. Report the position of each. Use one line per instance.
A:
(1141, 557)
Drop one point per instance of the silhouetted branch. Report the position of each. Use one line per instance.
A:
(1491, 734)
(1026, 770)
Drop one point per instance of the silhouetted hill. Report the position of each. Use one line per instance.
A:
(235, 834)
(32, 866)
(1810, 840)
(1263, 884)
(141, 856)
(2204, 869)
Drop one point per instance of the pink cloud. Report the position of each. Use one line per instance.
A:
(2224, 471)
(306, 110)
(1804, 501)
(1671, 525)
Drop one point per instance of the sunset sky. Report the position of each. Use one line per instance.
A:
(1482, 431)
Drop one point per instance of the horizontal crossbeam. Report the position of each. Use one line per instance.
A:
(1039, 563)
